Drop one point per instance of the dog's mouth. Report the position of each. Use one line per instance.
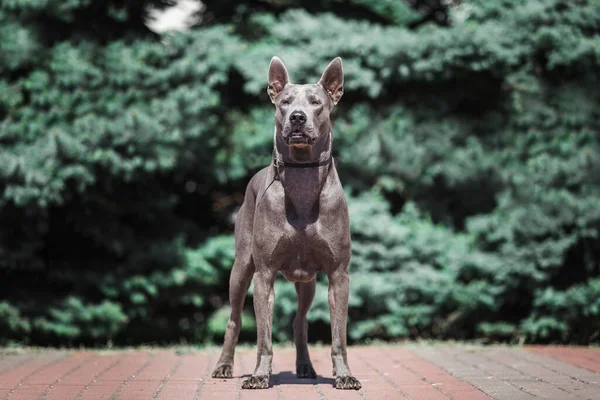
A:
(298, 137)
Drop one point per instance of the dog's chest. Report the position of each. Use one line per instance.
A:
(300, 231)
(296, 244)
(302, 253)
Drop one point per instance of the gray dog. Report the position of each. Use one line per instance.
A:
(294, 219)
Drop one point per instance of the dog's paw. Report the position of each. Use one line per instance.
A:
(256, 382)
(223, 371)
(305, 370)
(347, 382)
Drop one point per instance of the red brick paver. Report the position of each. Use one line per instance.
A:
(436, 372)
(580, 356)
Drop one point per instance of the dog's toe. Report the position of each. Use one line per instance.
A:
(256, 382)
(347, 382)
(223, 371)
(305, 370)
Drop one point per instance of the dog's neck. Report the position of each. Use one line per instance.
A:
(303, 186)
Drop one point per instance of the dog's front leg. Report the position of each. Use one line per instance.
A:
(339, 288)
(264, 297)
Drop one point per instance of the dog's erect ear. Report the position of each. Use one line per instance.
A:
(278, 78)
(332, 80)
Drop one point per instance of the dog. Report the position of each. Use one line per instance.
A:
(294, 220)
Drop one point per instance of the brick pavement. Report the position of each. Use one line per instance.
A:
(410, 371)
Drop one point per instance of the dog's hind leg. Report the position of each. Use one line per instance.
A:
(239, 282)
(306, 293)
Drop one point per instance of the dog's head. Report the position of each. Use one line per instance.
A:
(303, 111)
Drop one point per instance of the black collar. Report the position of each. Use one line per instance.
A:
(280, 163)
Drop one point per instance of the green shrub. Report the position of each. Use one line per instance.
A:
(573, 315)
(467, 146)
(74, 319)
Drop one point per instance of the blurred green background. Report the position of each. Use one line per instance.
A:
(467, 140)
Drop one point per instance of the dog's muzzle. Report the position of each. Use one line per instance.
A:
(299, 138)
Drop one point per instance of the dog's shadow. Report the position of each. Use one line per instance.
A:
(289, 378)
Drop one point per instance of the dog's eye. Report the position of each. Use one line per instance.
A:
(285, 102)
(316, 103)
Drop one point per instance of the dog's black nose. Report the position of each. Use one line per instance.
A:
(298, 118)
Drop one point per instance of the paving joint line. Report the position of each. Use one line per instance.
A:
(384, 378)
(280, 395)
(12, 391)
(78, 366)
(238, 394)
(432, 384)
(204, 378)
(584, 358)
(470, 383)
(360, 391)
(575, 378)
(316, 385)
(169, 374)
(318, 388)
(588, 358)
(96, 376)
(132, 376)
(319, 391)
(557, 371)
(520, 388)
(529, 375)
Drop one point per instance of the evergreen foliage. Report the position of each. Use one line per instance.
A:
(467, 141)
